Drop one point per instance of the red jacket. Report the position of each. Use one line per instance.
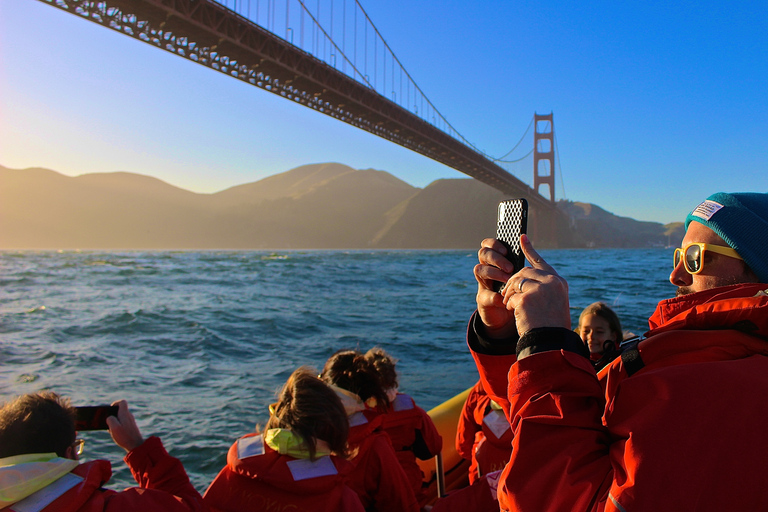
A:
(413, 436)
(686, 431)
(478, 497)
(378, 478)
(165, 486)
(484, 435)
(258, 478)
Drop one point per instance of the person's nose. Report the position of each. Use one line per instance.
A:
(679, 276)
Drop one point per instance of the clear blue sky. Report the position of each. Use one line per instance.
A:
(656, 104)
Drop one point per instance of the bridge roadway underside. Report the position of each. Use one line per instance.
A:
(210, 34)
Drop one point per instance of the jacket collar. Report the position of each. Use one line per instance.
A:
(22, 475)
(718, 308)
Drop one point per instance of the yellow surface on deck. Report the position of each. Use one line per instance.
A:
(446, 418)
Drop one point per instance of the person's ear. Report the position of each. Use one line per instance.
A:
(71, 453)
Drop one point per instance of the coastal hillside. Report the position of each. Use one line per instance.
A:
(42, 209)
(456, 213)
(599, 228)
(318, 206)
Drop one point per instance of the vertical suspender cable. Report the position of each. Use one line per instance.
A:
(317, 32)
(365, 49)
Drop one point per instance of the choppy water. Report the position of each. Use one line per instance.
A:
(199, 342)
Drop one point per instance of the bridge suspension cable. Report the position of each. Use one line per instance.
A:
(378, 68)
(516, 160)
(324, 73)
(502, 158)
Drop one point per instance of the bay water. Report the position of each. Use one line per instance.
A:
(198, 343)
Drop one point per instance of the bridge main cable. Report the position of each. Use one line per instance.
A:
(209, 33)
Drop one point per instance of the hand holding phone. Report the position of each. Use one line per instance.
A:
(511, 222)
(124, 430)
(94, 417)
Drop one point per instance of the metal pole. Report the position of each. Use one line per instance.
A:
(439, 472)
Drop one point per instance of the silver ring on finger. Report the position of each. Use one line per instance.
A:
(522, 282)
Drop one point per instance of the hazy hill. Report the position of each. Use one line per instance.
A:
(40, 208)
(446, 214)
(328, 206)
(599, 228)
(323, 209)
(293, 183)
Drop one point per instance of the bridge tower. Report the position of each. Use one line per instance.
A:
(544, 150)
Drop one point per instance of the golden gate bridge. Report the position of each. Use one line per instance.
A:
(330, 57)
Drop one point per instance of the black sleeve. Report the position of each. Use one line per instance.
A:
(478, 343)
(544, 339)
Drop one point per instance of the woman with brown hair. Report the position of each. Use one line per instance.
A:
(410, 428)
(378, 478)
(298, 461)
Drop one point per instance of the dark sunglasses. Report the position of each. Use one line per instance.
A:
(693, 255)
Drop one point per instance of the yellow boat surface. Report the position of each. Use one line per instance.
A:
(454, 468)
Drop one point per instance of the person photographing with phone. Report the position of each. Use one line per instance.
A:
(40, 469)
(678, 421)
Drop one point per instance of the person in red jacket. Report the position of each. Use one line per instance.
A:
(297, 463)
(39, 468)
(378, 478)
(480, 496)
(409, 427)
(677, 421)
(483, 436)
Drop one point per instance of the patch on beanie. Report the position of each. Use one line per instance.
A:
(706, 209)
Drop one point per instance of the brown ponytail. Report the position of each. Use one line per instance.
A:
(350, 370)
(384, 364)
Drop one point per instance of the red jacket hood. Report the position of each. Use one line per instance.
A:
(362, 424)
(274, 469)
(689, 329)
(743, 307)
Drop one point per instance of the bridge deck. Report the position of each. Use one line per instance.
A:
(210, 34)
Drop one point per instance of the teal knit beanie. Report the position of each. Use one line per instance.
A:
(741, 219)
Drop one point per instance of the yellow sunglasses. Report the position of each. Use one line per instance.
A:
(693, 255)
